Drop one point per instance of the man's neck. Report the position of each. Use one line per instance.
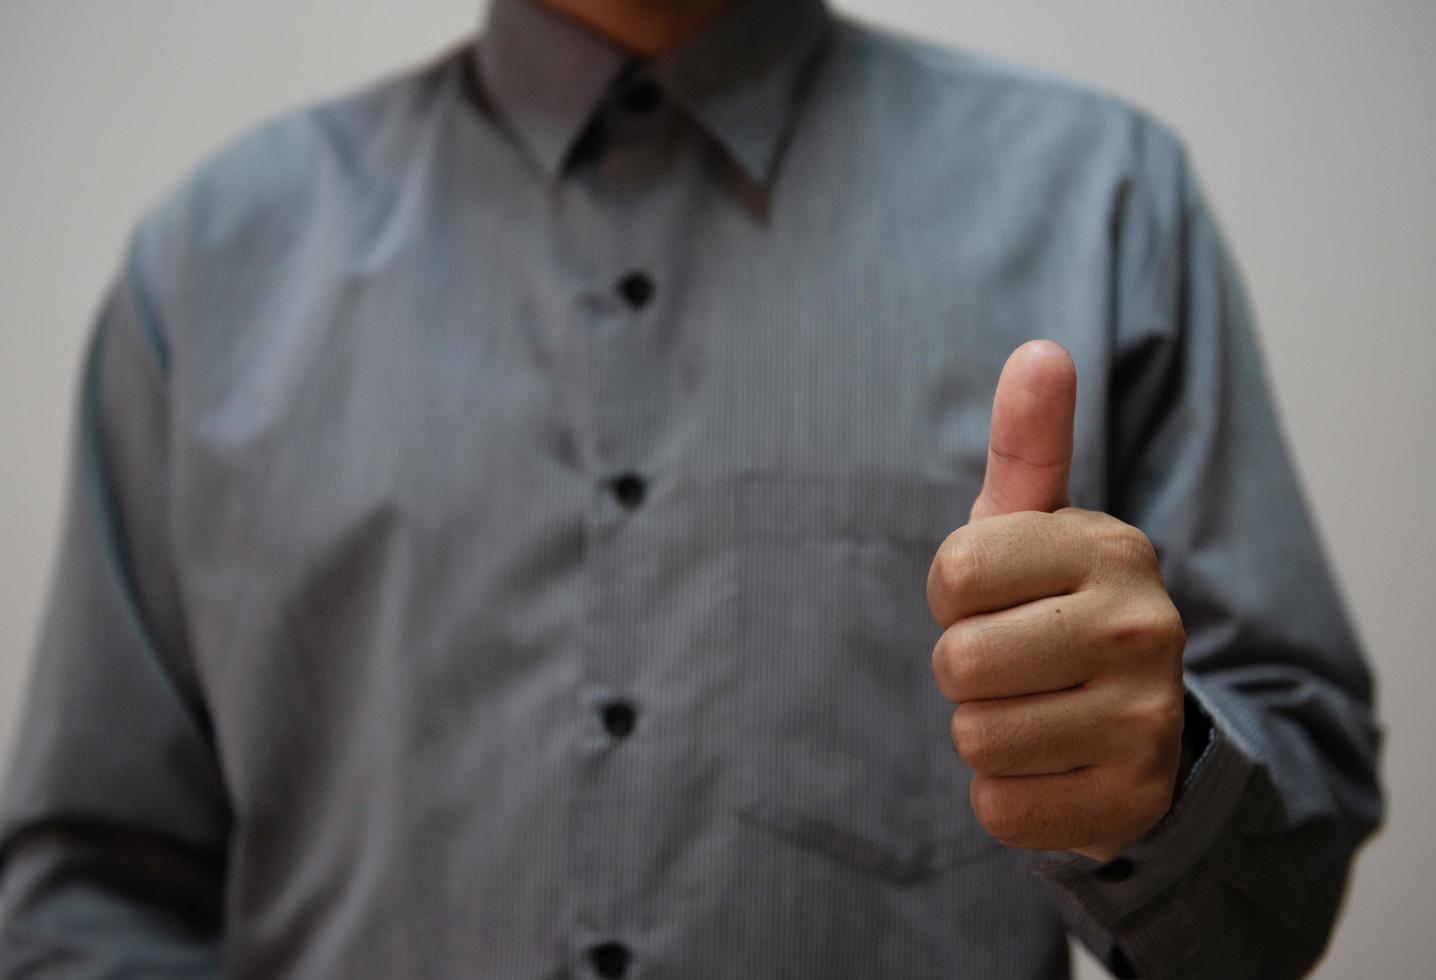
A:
(649, 28)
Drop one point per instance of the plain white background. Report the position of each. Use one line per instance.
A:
(1310, 123)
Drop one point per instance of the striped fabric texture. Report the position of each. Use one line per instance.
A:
(499, 510)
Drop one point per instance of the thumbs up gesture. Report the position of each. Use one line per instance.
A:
(1060, 646)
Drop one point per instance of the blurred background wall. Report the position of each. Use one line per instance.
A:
(1310, 121)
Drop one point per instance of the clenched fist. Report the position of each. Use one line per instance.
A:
(1060, 646)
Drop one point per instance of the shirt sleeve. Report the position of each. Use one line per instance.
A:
(114, 820)
(1244, 876)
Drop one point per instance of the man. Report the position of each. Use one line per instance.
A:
(519, 512)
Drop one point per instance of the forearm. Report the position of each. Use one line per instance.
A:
(82, 897)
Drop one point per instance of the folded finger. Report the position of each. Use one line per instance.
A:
(1004, 561)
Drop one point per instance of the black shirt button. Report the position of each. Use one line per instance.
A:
(609, 959)
(590, 143)
(636, 288)
(629, 489)
(642, 97)
(1118, 869)
(618, 718)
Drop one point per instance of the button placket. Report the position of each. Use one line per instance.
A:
(623, 363)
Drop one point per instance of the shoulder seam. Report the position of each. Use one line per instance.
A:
(920, 54)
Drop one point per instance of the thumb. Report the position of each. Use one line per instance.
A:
(1029, 452)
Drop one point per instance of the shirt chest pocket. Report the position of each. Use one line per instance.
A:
(846, 735)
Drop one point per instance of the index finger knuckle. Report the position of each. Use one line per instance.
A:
(960, 568)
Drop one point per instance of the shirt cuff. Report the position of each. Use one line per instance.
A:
(1105, 893)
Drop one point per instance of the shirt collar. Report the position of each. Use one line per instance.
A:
(738, 79)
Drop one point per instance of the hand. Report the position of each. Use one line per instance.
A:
(1060, 645)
